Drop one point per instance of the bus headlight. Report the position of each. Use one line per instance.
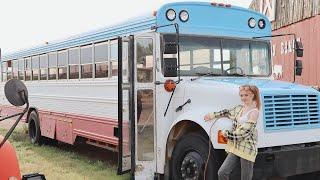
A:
(262, 23)
(184, 16)
(171, 14)
(252, 23)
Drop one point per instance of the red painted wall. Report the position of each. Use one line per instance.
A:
(308, 31)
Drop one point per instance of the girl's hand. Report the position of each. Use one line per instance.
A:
(224, 133)
(207, 117)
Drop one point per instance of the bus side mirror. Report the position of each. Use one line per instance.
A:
(16, 92)
(170, 67)
(298, 67)
(170, 44)
(299, 48)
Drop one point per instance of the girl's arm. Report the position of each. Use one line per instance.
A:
(230, 113)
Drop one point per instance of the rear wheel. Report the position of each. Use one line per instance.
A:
(189, 159)
(34, 128)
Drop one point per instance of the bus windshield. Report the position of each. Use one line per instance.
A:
(203, 55)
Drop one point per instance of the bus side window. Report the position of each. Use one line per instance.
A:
(86, 61)
(28, 74)
(202, 57)
(43, 66)
(74, 57)
(101, 60)
(226, 59)
(4, 71)
(35, 68)
(185, 60)
(145, 126)
(114, 58)
(145, 60)
(62, 64)
(21, 69)
(15, 65)
(52, 66)
(260, 57)
(125, 59)
(9, 69)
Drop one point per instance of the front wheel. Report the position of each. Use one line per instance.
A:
(189, 158)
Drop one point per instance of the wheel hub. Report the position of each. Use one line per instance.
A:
(191, 166)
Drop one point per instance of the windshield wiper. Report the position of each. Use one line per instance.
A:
(204, 75)
(236, 74)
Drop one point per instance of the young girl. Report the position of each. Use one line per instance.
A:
(242, 139)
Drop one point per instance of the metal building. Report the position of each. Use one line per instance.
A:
(301, 17)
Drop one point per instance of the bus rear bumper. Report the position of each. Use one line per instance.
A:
(287, 160)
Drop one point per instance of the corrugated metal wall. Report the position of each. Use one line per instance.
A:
(302, 18)
(289, 11)
(308, 31)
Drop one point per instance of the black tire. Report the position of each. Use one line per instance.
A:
(34, 128)
(195, 147)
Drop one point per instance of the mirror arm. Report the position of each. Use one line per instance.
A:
(176, 25)
(13, 127)
(7, 117)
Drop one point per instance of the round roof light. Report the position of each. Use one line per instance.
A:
(184, 16)
(252, 23)
(262, 23)
(171, 14)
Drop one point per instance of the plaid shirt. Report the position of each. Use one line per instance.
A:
(242, 139)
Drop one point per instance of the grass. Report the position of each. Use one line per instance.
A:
(61, 161)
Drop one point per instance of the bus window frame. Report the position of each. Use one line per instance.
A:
(221, 38)
(13, 69)
(107, 60)
(86, 63)
(72, 64)
(4, 71)
(111, 60)
(46, 68)
(26, 59)
(65, 66)
(21, 71)
(36, 68)
(55, 53)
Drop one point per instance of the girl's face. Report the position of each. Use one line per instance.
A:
(246, 96)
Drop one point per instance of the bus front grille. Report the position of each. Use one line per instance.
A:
(290, 112)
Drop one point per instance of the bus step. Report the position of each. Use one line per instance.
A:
(103, 145)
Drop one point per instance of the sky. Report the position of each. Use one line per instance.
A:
(27, 23)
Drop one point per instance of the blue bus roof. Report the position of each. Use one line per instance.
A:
(205, 19)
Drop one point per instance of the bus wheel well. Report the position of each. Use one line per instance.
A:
(179, 130)
(31, 109)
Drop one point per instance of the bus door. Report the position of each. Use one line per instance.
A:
(136, 110)
(126, 103)
(145, 159)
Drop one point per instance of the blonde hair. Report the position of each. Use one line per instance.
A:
(255, 90)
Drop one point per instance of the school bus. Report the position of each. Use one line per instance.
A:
(142, 88)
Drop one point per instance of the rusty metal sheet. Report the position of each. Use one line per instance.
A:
(308, 31)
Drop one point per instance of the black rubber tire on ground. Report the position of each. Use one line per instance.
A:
(34, 128)
(193, 146)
